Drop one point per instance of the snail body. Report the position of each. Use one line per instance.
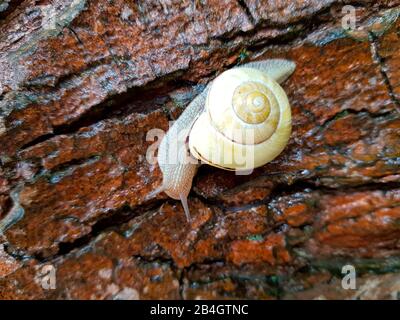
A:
(241, 121)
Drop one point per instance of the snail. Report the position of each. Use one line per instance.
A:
(241, 121)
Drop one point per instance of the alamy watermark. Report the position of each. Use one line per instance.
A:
(349, 280)
(349, 19)
(46, 276)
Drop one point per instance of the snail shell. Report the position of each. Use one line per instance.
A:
(241, 121)
(247, 121)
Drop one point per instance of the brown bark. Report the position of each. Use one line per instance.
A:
(78, 96)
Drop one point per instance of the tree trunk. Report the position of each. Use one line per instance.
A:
(83, 82)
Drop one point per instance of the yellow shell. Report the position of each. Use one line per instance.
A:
(246, 123)
(251, 103)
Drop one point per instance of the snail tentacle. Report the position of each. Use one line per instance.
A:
(185, 206)
(277, 69)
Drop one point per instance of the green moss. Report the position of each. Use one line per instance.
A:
(375, 266)
(256, 237)
(243, 55)
(341, 114)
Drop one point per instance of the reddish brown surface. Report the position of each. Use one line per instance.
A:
(75, 108)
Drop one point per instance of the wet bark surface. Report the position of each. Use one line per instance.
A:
(81, 87)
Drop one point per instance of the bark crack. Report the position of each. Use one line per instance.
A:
(374, 44)
(246, 9)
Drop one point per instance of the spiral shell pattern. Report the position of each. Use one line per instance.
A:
(247, 121)
(251, 103)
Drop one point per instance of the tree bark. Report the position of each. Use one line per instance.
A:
(83, 82)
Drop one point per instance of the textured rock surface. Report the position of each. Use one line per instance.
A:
(83, 84)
